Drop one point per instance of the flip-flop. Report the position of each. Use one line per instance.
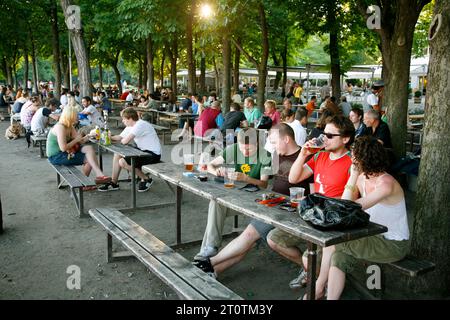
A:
(102, 180)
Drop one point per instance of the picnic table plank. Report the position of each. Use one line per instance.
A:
(168, 257)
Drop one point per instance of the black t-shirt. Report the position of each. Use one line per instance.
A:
(281, 179)
(233, 120)
(3, 102)
(382, 133)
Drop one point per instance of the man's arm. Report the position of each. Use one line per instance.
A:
(300, 170)
(214, 167)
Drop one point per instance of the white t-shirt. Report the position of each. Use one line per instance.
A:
(129, 97)
(236, 98)
(94, 117)
(372, 99)
(145, 136)
(40, 120)
(63, 100)
(300, 132)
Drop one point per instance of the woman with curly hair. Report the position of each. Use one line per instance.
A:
(382, 197)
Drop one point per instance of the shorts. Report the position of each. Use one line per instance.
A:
(286, 240)
(375, 249)
(142, 161)
(262, 228)
(61, 158)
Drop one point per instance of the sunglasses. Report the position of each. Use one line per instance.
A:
(331, 135)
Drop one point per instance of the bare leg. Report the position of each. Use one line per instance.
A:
(91, 159)
(291, 253)
(336, 283)
(236, 249)
(126, 166)
(321, 281)
(87, 169)
(116, 168)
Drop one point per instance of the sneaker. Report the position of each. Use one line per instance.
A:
(145, 185)
(300, 281)
(109, 187)
(205, 253)
(206, 266)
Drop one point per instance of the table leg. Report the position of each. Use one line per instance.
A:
(178, 204)
(311, 281)
(100, 157)
(133, 183)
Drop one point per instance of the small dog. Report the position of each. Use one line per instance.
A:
(13, 131)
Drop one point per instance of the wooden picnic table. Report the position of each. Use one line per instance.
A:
(124, 151)
(244, 202)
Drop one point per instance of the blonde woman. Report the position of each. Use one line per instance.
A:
(64, 146)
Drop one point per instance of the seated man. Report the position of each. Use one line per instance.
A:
(233, 120)
(247, 163)
(377, 128)
(93, 117)
(382, 197)
(146, 139)
(331, 170)
(39, 122)
(283, 139)
(210, 119)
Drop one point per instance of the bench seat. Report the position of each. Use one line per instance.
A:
(41, 142)
(75, 179)
(177, 272)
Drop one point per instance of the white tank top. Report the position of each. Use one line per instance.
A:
(394, 217)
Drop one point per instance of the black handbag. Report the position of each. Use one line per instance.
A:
(327, 213)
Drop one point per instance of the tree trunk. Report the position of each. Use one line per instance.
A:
(140, 73)
(334, 53)
(226, 84)
(161, 70)
(117, 72)
(9, 77)
(26, 67)
(84, 71)
(279, 75)
(217, 77)
(262, 69)
(173, 55)
(144, 71)
(65, 70)
(237, 62)
(34, 64)
(192, 77)
(150, 67)
(284, 59)
(100, 74)
(16, 80)
(395, 52)
(203, 74)
(56, 50)
(431, 233)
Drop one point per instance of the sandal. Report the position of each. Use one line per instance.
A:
(102, 180)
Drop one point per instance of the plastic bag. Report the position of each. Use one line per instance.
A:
(332, 214)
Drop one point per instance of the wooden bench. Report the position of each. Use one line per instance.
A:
(409, 266)
(163, 130)
(177, 272)
(41, 142)
(75, 179)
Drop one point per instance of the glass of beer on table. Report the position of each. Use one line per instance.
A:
(188, 162)
(229, 177)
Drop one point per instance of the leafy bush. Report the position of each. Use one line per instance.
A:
(417, 94)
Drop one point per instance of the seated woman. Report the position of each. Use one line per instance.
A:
(143, 102)
(64, 146)
(381, 196)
